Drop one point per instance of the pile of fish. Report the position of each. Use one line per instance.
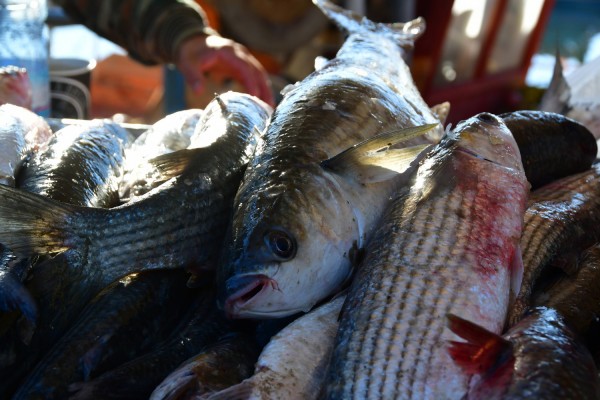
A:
(342, 245)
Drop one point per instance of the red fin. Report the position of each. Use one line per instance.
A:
(483, 350)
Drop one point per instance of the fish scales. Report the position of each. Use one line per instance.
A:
(445, 246)
(286, 191)
(562, 220)
(141, 234)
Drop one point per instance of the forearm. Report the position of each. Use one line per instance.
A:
(150, 30)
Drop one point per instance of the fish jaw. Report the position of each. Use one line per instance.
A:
(284, 289)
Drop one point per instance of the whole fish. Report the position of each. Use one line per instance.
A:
(306, 204)
(561, 221)
(552, 146)
(21, 132)
(293, 363)
(200, 326)
(178, 226)
(448, 244)
(120, 323)
(218, 366)
(81, 165)
(539, 358)
(171, 133)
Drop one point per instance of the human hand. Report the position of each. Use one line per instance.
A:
(201, 54)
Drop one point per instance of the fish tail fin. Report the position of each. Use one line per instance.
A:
(556, 97)
(33, 224)
(404, 33)
(483, 351)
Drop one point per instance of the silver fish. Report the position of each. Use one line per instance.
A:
(306, 205)
(293, 363)
(448, 244)
(21, 131)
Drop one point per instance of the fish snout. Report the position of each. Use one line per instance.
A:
(489, 118)
(241, 290)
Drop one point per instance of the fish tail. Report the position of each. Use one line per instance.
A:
(404, 34)
(33, 224)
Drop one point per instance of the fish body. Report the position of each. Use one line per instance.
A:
(219, 365)
(293, 363)
(21, 132)
(539, 358)
(120, 322)
(174, 227)
(81, 165)
(299, 223)
(552, 146)
(171, 133)
(200, 326)
(561, 221)
(576, 296)
(447, 244)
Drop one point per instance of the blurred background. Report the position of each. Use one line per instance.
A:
(492, 55)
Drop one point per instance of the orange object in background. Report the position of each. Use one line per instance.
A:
(475, 54)
(121, 85)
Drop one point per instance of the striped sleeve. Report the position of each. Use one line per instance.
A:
(150, 30)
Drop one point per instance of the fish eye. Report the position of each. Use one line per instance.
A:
(281, 244)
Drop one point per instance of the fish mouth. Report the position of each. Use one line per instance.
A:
(473, 154)
(245, 290)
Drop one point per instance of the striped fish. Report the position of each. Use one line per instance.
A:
(561, 221)
(448, 244)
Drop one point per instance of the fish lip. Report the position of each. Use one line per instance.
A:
(249, 293)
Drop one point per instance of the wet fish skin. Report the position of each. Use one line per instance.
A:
(297, 225)
(21, 132)
(120, 321)
(552, 146)
(171, 133)
(540, 357)
(561, 221)
(201, 326)
(293, 363)
(81, 166)
(142, 235)
(218, 366)
(576, 297)
(447, 244)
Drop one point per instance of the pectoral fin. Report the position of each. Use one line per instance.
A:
(483, 351)
(374, 160)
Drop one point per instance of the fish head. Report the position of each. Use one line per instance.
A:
(487, 137)
(287, 249)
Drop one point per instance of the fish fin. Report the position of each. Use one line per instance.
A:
(175, 385)
(403, 33)
(241, 391)
(483, 350)
(441, 111)
(556, 97)
(516, 276)
(32, 223)
(174, 164)
(374, 161)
